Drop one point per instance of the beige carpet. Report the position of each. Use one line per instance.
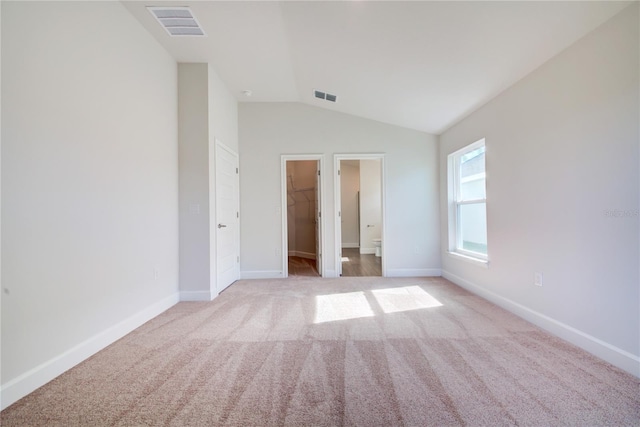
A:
(422, 352)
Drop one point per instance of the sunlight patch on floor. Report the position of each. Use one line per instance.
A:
(394, 300)
(354, 305)
(351, 305)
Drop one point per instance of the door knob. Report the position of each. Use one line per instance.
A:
(221, 226)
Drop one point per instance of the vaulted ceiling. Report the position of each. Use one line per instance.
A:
(422, 65)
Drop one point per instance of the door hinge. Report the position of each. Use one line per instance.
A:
(236, 171)
(319, 214)
(237, 214)
(338, 172)
(339, 213)
(318, 173)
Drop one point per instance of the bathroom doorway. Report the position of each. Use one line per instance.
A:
(359, 202)
(302, 216)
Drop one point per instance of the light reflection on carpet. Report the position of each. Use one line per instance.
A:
(354, 305)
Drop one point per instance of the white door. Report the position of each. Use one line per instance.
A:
(227, 218)
(318, 221)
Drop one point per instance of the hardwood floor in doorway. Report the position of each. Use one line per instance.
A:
(302, 267)
(356, 264)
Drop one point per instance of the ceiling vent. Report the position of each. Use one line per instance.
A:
(177, 21)
(326, 96)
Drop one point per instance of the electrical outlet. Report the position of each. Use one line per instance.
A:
(537, 279)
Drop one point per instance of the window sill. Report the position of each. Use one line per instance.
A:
(476, 261)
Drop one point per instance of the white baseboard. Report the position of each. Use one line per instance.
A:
(264, 274)
(196, 296)
(307, 255)
(350, 245)
(28, 382)
(610, 353)
(365, 251)
(330, 273)
(413, 272)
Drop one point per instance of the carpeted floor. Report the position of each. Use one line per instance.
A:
(331, 352)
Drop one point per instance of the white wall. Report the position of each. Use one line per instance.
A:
(1, 288)
(349, 188)
(562, 159)
(268, 130)
(223, 112)
(193, 125)
(370, 205)
(207, 112)
(89, 188)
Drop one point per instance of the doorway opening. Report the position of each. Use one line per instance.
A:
(302, 216)
(360, 215)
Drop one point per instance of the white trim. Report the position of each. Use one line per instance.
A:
(367, 251)
(283, 209)
(196, 296)
(454, 242)
(29, 381)
(610, 353)
(473, 260)
(471, 202)
(261, 274)
(337, 204)
(469, 148)
(414, 272)
(331, 273)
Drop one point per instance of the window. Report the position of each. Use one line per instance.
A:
(468, 202)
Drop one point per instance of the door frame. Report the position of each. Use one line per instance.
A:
(220, 146)
(284, 158)
(337, 192)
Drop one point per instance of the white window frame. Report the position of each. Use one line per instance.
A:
(455, 202)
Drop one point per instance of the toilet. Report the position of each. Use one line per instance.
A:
(377, 243)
